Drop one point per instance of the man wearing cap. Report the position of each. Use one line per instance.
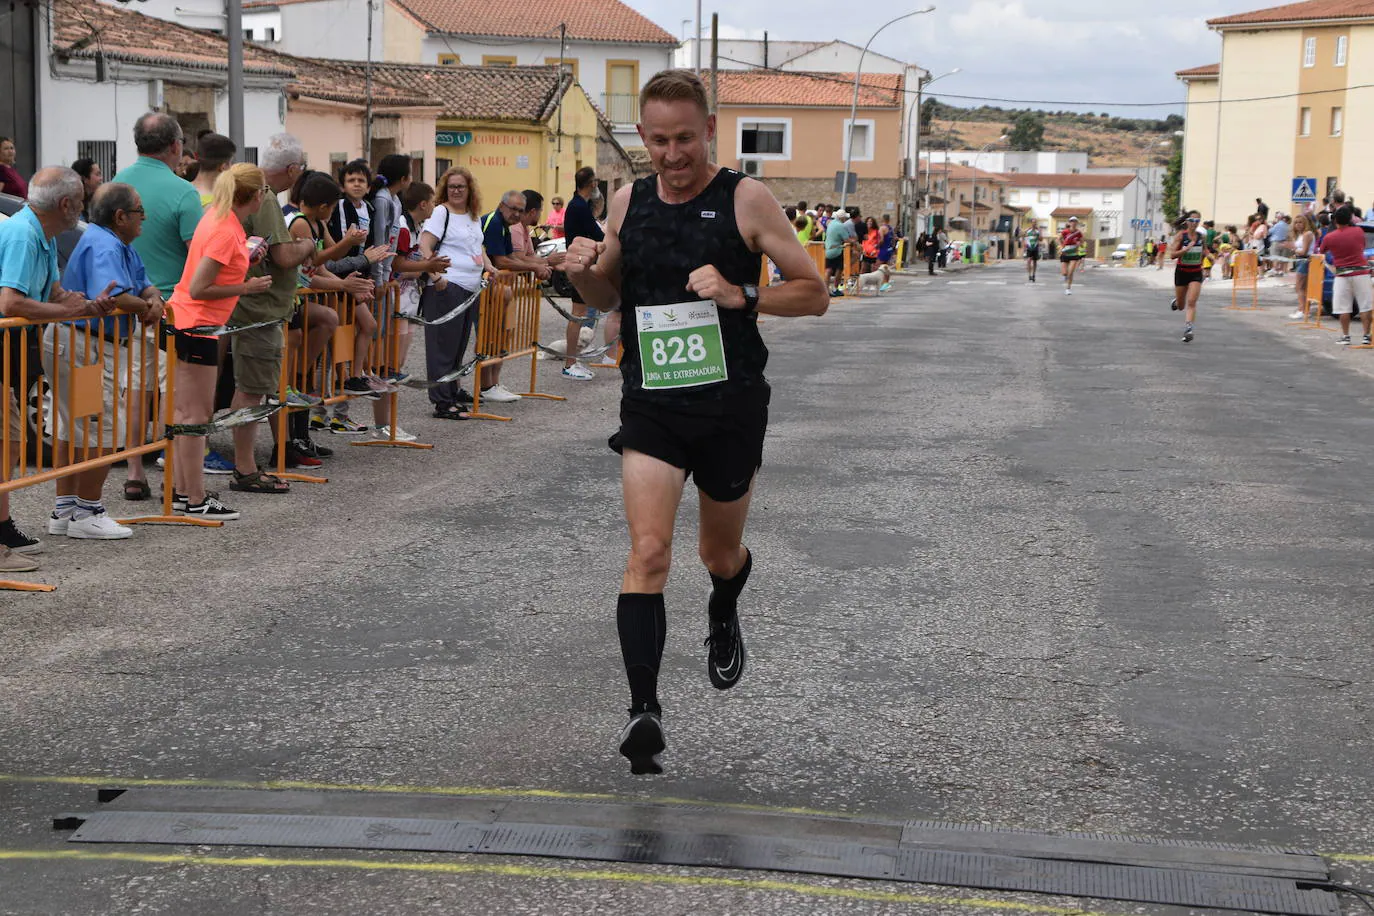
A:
(836, 237)
(1070, 253)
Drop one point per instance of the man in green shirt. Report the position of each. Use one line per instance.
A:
(258, 352)
(171, 205)
(835, 238)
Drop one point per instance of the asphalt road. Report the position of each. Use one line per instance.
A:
(1022, 559)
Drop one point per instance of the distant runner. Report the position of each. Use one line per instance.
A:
(1070, 253)
(1191, 249)
(1032, 251)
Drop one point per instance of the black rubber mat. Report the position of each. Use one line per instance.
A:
(1080, 865)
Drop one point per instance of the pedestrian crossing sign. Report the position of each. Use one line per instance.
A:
(1304, 191)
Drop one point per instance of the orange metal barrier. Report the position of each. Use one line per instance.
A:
(817, 252)
(1245, 276)
(75, 398)
(1312, 304)
(325, 376)
(507, 329)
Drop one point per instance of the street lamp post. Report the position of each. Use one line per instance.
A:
(921, 84)
(854, 103)
(973, 198)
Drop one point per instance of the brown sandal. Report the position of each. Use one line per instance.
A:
(136, 490)
(258, 482)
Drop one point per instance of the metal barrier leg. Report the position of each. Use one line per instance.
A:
(394, 330)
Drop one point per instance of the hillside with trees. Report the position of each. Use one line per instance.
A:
(1107, 139)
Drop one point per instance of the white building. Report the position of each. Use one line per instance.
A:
(1105, 203)
(992, 160)
(104, 65)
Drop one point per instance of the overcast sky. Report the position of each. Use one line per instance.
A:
(1056, 50)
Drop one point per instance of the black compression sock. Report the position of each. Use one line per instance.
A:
(725, 592)
(643, 624)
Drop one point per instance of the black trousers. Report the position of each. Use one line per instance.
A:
(446, 343)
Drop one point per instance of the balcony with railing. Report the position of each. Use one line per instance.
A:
(621, 108)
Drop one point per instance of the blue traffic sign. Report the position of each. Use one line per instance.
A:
(1304, 190)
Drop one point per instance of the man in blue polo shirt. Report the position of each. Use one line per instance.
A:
(500, 249)
(29, 288)
(125, 348)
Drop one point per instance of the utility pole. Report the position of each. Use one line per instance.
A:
(696, 42)
(558, 155)
(367, 91)
(715, 61)
(233, 27)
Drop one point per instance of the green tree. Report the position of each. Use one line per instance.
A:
(1173, 181)
(1028, 132)
(929, 108)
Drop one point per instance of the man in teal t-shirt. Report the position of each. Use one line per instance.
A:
(171, 205)
(835, 237)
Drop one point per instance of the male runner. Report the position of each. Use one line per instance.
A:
(680, 260)
(1351, 289)
(1032, 251)
(1070, 253)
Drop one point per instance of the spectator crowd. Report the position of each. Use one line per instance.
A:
(190, 252)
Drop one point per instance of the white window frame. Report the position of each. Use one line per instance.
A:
(1304, 122)
(1015, 196)
(1042, 197)
(859, 154)
(786, 138)
(1108, 200)
(1075, 197)
(1337, 120)
(1342, 44)
(1309, 52)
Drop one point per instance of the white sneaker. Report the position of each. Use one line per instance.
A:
(98, 527)
(499, 394)
(383, 434)
(1296, 315)
(57, 524)
(579, 372)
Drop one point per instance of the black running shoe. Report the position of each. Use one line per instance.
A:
(726, 656)
(12, 537)
(1173, 305)
(642, 741)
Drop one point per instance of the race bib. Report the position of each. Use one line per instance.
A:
(680, 345)
(1070, 251)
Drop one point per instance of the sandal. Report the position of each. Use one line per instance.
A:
(136, 490)
(258, 482)
(451, 412)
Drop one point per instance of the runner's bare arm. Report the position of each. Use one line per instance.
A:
(594, 267)
(765, 228)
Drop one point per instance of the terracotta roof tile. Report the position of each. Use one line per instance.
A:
(1196, 72)
(498, 93)
(80, 29)
(587, 20)
(1066, 212)
(1300, 12)
(777, 87)
(1105, 180)
(344, 81)
(957, 171)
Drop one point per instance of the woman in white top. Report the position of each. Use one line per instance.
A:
(1303, 238)
(452, 232)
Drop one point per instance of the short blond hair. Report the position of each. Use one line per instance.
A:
(675, 86)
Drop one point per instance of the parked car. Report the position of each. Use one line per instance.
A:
(1123, 251)
(27, 340)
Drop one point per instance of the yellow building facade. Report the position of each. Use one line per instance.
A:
(1282, 104)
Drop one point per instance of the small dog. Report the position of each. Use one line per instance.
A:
(584, 339)
(875, 280)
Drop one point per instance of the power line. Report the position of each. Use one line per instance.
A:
(1177, 103)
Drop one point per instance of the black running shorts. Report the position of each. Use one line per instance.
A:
(1033, 254)
(1066, 258)
(198, 351)
(722, 449)
(1184, 277)
(836, 263)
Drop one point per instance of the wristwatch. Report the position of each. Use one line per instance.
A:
(751, 297)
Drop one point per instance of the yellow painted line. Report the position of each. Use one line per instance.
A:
(1347, 856)
(545, 873)
(120, 782)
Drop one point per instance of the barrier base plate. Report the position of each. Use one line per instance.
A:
(546, 397)
(390, 443)
(1149, 871)
(171, 520)
(300, 478)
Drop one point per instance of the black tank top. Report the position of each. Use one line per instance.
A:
(661, 244)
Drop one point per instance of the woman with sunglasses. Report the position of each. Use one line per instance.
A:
(1190, 249)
